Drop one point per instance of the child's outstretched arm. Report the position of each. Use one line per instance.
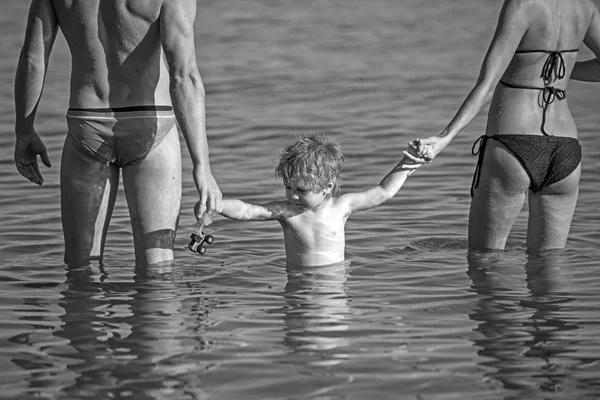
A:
(243, 211)
(387, 188)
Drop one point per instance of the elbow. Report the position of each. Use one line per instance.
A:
(245, 213)
(586, 71)
(489, 76)
(31, 64)
(385, 198)
(486, 84)
(382, 196)
(188, 81)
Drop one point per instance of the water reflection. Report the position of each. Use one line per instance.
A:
(316, 312)
(128, 339)
(527, 322)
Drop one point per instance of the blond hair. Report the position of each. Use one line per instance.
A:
(312, 161)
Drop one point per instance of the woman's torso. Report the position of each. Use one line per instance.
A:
(553, 26)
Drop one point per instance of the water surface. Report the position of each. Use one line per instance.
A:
(411, 315)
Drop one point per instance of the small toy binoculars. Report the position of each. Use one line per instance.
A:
(197, 242)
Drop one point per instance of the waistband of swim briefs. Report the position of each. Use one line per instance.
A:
(112, 112)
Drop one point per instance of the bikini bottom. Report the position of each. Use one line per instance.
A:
(122, 136)
(546, 159)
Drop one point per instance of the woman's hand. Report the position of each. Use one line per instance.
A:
(427, 149)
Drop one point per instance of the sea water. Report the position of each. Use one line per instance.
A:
(410, 315)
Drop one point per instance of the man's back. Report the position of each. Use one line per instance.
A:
(116, 52)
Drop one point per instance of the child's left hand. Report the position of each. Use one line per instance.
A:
(203, 219)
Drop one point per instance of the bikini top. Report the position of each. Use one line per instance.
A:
(553, 69)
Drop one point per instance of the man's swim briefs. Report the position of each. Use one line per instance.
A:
(122, 136)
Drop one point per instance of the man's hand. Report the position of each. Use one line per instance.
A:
(27, 148)
(210, 194)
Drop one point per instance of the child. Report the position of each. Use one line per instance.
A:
(314, 213)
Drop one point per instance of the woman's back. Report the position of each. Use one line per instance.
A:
(529, 98)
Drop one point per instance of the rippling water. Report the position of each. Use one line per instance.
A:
(411, 315)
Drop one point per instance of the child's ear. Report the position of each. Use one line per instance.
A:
(329, 187)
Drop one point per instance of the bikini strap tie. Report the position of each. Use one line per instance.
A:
(554, 67)
(548, 95)
(480, 144)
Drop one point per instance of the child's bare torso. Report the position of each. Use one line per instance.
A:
(316, 237)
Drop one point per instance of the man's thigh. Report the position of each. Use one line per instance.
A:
(153, 190)
(88, 192)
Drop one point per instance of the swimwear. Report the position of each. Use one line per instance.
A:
(546, 159)
(553, 69)
(122, 136)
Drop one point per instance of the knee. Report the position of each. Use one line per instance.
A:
(160, 239)
(74, 261)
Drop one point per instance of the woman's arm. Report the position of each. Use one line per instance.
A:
(512, 25)
(589, 70)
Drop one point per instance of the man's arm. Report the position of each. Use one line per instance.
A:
(40, 35)
(187, 94)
